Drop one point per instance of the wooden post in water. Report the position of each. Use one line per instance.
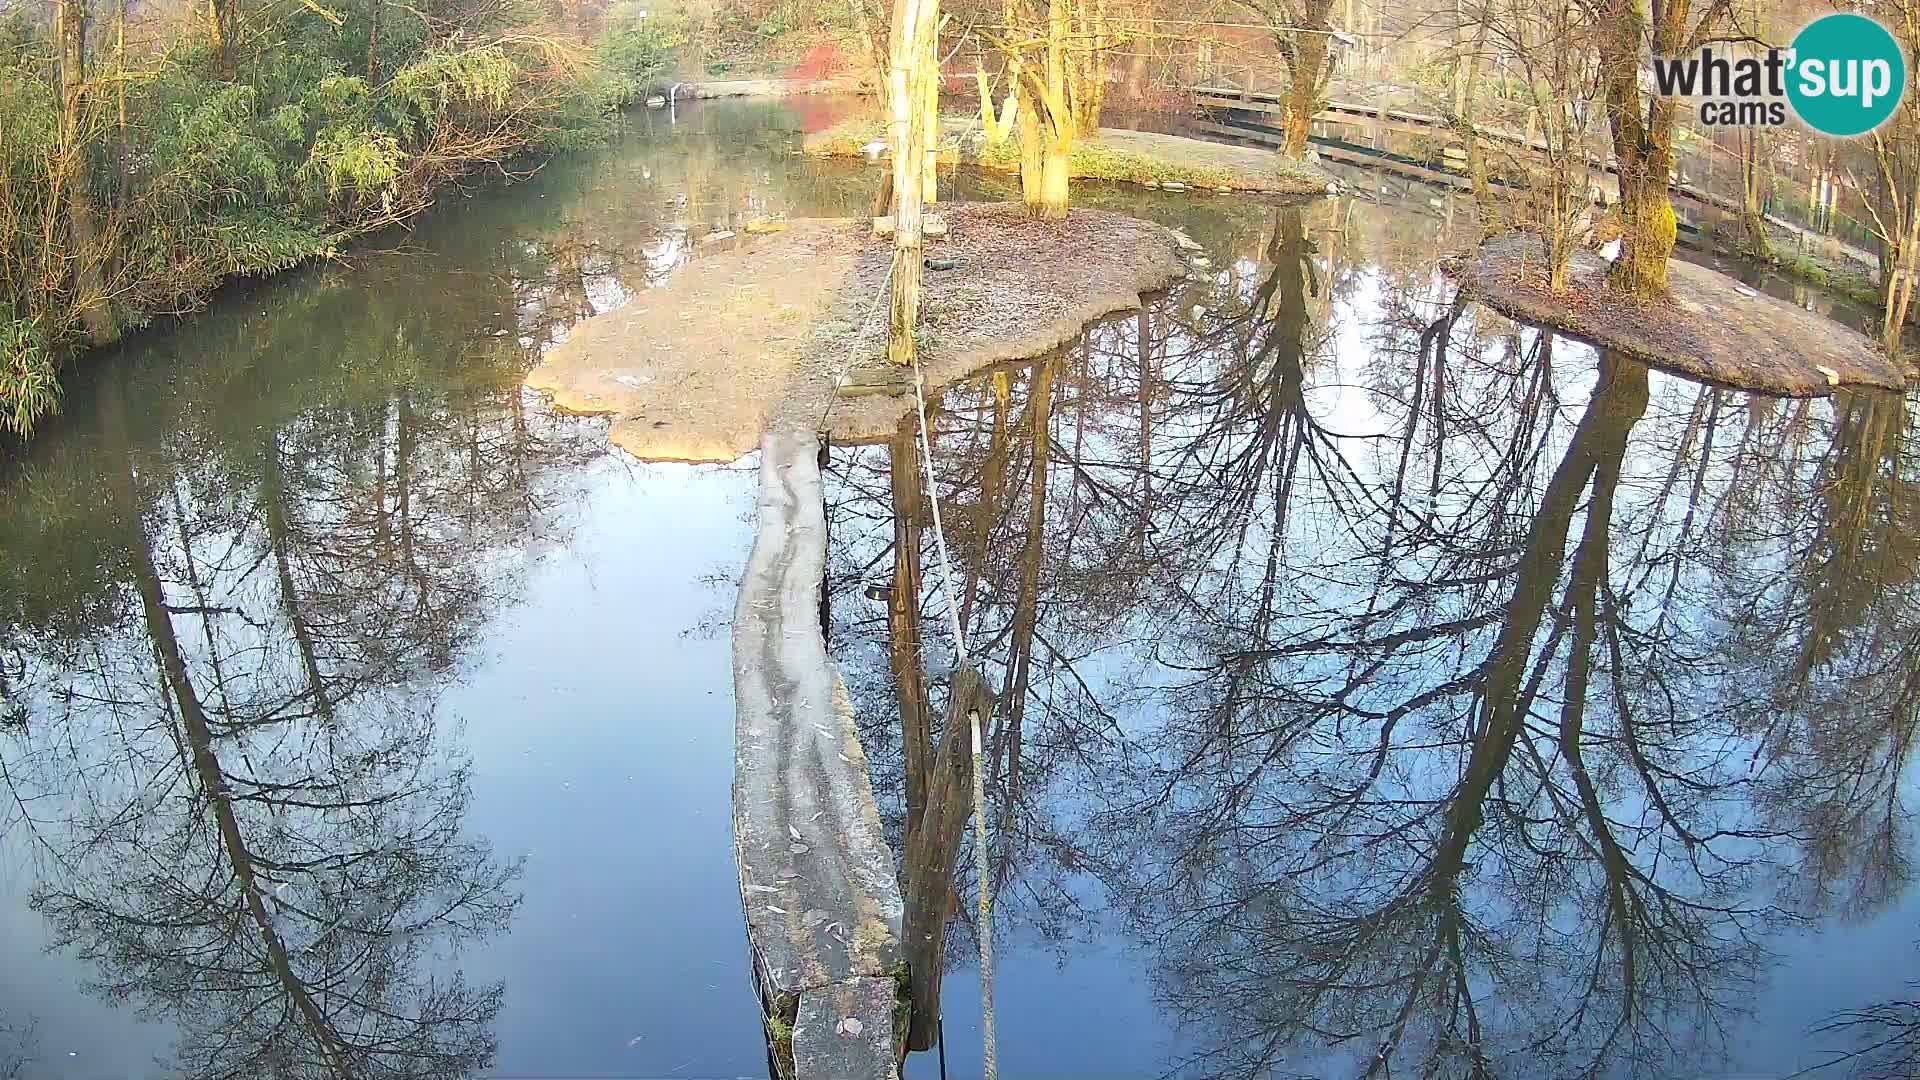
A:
(931, 851)
(911, 59)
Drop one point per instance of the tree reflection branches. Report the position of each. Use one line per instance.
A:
(1432, 693)
(248, 811)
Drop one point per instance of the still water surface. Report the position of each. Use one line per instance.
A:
(1383, 676)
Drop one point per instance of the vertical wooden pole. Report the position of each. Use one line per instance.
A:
(930, 178)
(910, 58)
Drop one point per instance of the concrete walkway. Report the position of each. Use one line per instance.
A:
(823, 906)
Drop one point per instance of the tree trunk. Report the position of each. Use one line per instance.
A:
(1307, 68)
(911, 60)
(1900, 281)
(1055, 183)
(1642, 135)
(83, 223)
(220, 36)
(930, 176)
(931, 851)
(1032, 152)
(1753, 221)
(374, 16)
(903, 615)
(874, 60)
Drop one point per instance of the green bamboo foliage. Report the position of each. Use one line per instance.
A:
(337, 119)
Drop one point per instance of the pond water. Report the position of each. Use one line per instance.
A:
(1375, 675)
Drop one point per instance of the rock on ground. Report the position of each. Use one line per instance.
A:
(1708, 325)
(755, 332)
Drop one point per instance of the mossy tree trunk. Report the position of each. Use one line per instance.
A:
(1643, 129)
(1308, 71)
(1301, 31)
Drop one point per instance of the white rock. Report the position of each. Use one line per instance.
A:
(1833, 377)
(1610, 250)
(1173, 185)
(849, 1027)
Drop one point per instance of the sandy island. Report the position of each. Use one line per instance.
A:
(758, 333)
(1708, 326)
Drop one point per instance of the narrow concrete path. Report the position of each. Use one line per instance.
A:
(822, 903)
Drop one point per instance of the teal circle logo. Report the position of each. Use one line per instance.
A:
(1847, 75)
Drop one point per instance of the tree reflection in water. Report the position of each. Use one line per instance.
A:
(243, 807)
(1428, 692)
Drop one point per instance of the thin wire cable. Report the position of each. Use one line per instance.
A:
(833, 393)
(989, 1056)
(939, 530)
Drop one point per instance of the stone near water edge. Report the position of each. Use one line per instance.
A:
(1173, 185)
(716, 237)
(656, 102)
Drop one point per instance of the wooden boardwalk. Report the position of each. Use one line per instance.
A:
(1263, 102)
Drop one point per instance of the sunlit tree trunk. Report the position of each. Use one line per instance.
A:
(997, 128)
(1087, 78)
(874, 59)
(1046, 119)
(911, 61)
